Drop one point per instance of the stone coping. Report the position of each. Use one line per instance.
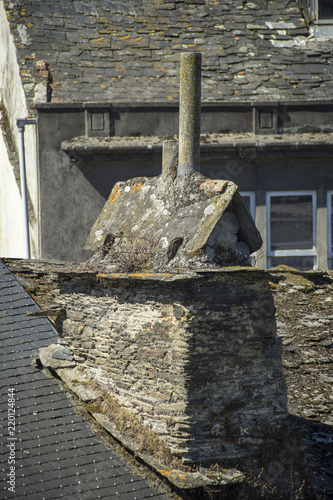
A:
(67, 269)
(64, 269)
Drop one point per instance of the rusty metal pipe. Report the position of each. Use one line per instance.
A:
(189, 112)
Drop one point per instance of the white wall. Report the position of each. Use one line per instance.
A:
(13, 99)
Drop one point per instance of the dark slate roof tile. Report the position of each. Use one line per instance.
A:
(56, 450)
(116, 35)
(137, 494)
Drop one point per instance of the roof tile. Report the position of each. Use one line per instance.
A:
(56, 450)
(135, 35)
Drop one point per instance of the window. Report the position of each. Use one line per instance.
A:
(318, 11)
(330, 229)
(291, 229)
(250, 203)
(319, 15)
(324, 10)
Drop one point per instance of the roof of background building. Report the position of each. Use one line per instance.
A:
(57, 454)
(105, 50)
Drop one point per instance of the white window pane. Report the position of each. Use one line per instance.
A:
(291, 221)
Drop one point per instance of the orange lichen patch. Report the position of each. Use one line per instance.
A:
(141, 276)
(148, 275)
(98, 39)
(114, 195)
(137, 187)
(179, 478)
(214, 186)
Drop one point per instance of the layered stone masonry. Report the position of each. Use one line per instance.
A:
(196, 357)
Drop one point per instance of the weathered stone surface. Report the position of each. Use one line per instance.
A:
(184, 481)
(184, 221)
(55, 356)
(63, 352)
(305, 319)
(189, 112)
(77, 382)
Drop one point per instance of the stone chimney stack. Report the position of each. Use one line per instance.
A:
(189, 112)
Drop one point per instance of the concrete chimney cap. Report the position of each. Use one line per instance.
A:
(179, 215)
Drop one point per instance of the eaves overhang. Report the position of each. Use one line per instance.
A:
(83, 150)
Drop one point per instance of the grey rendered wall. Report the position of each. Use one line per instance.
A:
(69, 203)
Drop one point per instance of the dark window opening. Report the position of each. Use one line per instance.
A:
(325, 10)
(291, 222)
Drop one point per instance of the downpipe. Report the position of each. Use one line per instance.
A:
(21, 122)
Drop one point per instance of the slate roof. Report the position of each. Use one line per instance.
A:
(105, 50)
(57, 453)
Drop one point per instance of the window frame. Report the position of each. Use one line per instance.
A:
(311, 9)
(318, 27)
(315, 9)
(311, 252)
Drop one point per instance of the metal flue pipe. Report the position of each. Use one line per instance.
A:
(21, 122)
(189, 112)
